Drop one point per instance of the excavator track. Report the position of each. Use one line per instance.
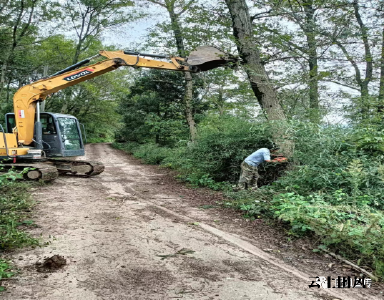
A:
(33, 171)
(50, 169)
(78, 168)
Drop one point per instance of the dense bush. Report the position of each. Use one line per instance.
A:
(329, 160)
(358, 228)
(222, 144)
(149, 153)
(335, 189)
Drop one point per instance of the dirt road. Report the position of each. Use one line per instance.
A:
(126, 235)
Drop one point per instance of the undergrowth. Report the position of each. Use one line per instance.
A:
(5, 272)
(15, 205)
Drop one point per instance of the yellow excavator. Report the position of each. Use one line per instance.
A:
(37, 142)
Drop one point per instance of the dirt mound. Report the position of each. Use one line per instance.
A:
(52, 263)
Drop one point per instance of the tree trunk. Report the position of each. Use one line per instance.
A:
(77, 52)
(188, 96)
(380, 107)
(309, 30)
(220, 102)
(368, 62)
(260, 83)
(188, 105)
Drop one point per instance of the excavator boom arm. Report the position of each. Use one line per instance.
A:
(26, 97)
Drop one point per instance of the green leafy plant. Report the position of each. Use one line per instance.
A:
(358, 229)
(356, 176)
(5, 272)
(14, 202)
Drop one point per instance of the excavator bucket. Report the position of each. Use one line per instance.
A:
(207, 57)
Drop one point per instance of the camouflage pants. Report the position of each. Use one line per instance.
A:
(248, 176)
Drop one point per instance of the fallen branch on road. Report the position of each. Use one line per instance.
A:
(356, 267)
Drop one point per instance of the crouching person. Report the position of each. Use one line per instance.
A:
(249, 173)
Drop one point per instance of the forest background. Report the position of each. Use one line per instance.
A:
(310, 78)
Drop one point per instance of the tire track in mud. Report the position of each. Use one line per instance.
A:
(126, 237)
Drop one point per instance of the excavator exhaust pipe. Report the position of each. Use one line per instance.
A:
(207, 58)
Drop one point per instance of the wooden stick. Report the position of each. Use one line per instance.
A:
(351, 264)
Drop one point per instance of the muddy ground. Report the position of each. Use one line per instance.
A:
(134, 232)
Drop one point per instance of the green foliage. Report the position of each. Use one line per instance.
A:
(14, 202)
(329, 159)
(222, 144)
(369, 139)
(127, 147)
(335, 190)
(153, 111)
(151, 153)
(204, 180)
(5, 272)
(359, 229)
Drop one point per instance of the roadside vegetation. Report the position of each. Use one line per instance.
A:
(333, 185)
(15, 206)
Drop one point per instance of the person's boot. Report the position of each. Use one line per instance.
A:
(239, 187)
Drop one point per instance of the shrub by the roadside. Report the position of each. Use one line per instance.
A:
(356, 230)
(125, 146)
(149, 153)
(152, 153)
(214, 159)
(221, 145)
(5, 272)
(15, 204)
(335, 189)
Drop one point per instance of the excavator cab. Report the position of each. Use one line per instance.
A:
(61, 134)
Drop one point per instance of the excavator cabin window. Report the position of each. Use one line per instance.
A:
(70, 133)
(48, 124)
(11, 122)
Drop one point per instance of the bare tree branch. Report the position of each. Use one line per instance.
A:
(185, 8)
(260, 15)
(158, 3)
(342, 84)
(364, 36)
